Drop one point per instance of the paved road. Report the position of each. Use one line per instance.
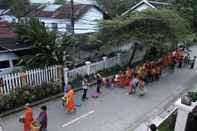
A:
(114, 110)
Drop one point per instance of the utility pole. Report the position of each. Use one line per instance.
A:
(72, 18)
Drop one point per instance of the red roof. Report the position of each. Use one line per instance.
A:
(6, 30)
(63, 12)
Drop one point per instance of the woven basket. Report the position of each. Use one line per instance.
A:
(35, 126)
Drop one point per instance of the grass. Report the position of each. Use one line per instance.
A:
(165, 126)
(169, 123)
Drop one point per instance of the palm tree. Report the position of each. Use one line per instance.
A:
(49, 47)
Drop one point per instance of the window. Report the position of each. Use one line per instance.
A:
(43, 23)
(15, 62)
(69, 28)
(4, 64)
(54, 26)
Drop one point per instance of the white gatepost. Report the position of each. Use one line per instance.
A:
(88, 67)
(182, 115)
(105, 62)
(118, 59)
(66, 75)
(11, 63)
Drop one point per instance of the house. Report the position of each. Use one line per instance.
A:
(10, 47)
(58, 17)
(52, 1)
(145, 4)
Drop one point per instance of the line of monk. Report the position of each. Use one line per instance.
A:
(150, 70)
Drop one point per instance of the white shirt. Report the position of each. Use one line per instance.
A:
(85, 84)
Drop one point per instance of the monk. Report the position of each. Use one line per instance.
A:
(127, 78)
(139, 71)
(126, 81)
(153, 73)
(28, 117)
(121, 79)
(158, 72)
(70, 105)
(141, 87)
(129, 72)
(130, 87)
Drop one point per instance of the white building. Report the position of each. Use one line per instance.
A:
(58, 17)
(76, 1)
(145, 4)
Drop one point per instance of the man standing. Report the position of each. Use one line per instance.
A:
(98, 83)
(85, 88)
(28, 117)
(193, 62)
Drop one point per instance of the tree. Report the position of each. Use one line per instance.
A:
(4, 4)
(18, 7)
(188, 10)
(49, 48)
(153, 29)
(115, 7)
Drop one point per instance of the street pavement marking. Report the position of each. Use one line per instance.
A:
(77, 119)
(1, 129)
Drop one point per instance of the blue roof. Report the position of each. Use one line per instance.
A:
(51, 7)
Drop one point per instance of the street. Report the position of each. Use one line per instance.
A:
(114, 110)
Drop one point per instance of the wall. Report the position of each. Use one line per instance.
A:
(88, 23)
(61, 23)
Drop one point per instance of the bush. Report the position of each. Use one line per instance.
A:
(19, 96)
(193, 96)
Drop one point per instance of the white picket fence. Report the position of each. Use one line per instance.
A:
(92, 68)
(38, 76)
(32, 77)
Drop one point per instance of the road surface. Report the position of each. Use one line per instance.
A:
(114, 110)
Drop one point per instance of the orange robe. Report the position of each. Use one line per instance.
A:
(129, 73)
(28, 119)
(70, 105)
(122, 79)
(141, 85)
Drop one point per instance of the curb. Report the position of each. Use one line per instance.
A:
(12, 111)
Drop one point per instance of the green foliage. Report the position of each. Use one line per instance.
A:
(20, 96)
(169, 123)
(188, 10)
(18, 7)
(152, 28)
(110, 71)
(193, 95)
(115, 7)
(50, 48)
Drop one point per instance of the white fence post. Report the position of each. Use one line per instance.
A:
(88, 63)
(118, 59)
(66, 75)
(105, 62)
